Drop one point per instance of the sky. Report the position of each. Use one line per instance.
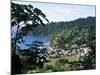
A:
(63, 12)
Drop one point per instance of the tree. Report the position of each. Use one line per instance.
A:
(76, 38)
(36, 55)
(24, 19)
(89, 61)
(25, 15)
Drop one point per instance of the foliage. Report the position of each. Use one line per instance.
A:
(89, 61)
(62, 61)
(48, 67)
(55, 27)
(16, 65)
(75, 35)
(34, 57)
(74, 38)
(24, 19)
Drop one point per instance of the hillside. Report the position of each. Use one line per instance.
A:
(54, 27)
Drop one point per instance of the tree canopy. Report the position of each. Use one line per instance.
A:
(24, 19)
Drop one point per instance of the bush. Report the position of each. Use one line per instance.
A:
(48, 67)
(62, 61)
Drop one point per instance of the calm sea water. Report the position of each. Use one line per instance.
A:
(31, 38)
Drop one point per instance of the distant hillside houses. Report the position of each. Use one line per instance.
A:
(75, 49)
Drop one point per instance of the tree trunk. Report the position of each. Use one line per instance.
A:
(16, 39)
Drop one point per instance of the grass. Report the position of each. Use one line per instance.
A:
(69, 58)
(60, 64)
(56, 64)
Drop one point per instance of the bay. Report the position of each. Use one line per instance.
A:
(31, 38)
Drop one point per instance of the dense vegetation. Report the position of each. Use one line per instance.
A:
(72, 44)
(54, 27)
(75, 35)
(78, 38)
(24, 19)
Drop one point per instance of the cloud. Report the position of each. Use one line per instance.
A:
(58, 14)
(63, 12)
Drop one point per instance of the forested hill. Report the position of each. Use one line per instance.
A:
(54, 27)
